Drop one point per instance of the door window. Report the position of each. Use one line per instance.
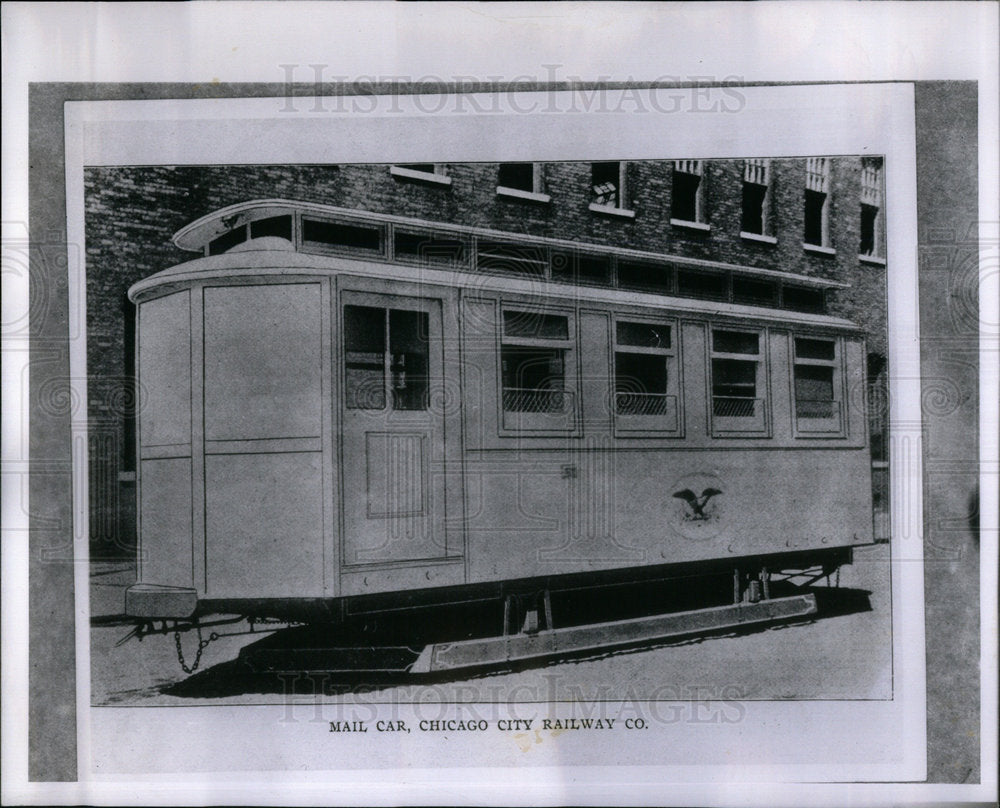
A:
(375, 377)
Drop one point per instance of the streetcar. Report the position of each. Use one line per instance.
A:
(348, 412)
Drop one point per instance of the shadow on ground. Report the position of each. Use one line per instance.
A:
(368, 654)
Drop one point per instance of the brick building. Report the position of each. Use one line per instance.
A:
(815, 217)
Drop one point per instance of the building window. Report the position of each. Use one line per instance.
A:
(607, 181)
(609, 190)
(688, 195)
(872, 225)
(433, 173)
(738, 403)
(533, 359)
(756, 197)
(817, 203)
(519, 176)
(817, 404)
(522, 181)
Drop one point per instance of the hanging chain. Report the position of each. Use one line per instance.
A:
(197, 657)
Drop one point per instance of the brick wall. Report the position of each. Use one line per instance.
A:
(132, 212)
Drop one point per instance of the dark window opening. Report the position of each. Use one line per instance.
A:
(734, 388)
(869, 217)
(408, 347)
(426, 168)
(227, 241)
(520, 176)
(642, 335)
(606, 184)
(878, 406)
(535, 325)
(429, 248)
(640, 384)
(804, 299)
(708, 285)
(684, 202)
(578, 268)
(814, 391)
(734, 381)
(280, 226)
(340, 234)
(736, 342)
(524, 259)
(593, 269)
(533, 379)
(364, 345)
(642, 276)
(754, 292)
(815, 348)
(754, 197)
(815, 202)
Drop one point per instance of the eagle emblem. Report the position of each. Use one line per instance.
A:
(697, 503)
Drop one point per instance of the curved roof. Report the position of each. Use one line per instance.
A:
(251, 265)
(197, 235)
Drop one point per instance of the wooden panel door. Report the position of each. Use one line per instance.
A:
(392, 435)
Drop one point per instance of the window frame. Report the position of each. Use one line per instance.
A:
(751, 168)
(382, 365)
(757, 425)
(439, 176)
(669, 423)
(540, 424)
(818, 180)
(323, 248)
(247, 219)
(390, 304)
(462, 262)
(537, 192)
(573, 276)
(538, 265)
(700, 221)
(622, 207)
(873, 195)
(834, 426)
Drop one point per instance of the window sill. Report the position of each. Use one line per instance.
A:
(816, 248)
(700, 226)
(419, 176)
(527, 196)
(872, 259)
(758, 237)
(621, 213)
